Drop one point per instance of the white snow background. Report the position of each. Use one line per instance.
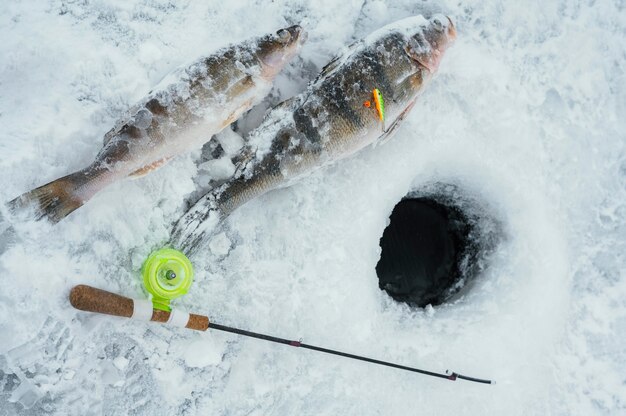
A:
(526, 115)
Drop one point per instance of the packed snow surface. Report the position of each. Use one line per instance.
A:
(526, 115)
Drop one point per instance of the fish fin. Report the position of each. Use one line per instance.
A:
(237, 113)
(287, 105)
(389, 132)
(336, 61)
(126, 119)
(241, 159)
(54, 200)
(329, 67)
(141, 172)
(109, 135)
(240, 87)
(424, 58)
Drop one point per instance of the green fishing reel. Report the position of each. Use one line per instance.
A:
(167, 275)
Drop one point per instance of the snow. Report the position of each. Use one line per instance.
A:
(525, 116)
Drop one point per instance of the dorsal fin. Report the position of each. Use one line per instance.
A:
(108, 136)
(121, 122)
(336, 61)
(285, 105)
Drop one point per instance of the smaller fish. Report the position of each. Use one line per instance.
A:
(194, 104)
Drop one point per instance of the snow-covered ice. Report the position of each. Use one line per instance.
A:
(526, 115)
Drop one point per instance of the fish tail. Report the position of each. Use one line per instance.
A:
(203, 218)
(57, 199)
(198, 222)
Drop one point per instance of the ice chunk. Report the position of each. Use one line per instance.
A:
(149, 53)
(203, 353)
(218, 169)
(27, 394)
(220, 244)
(120, 363)
(231, 141)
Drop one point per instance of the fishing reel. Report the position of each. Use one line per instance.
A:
(167, 275)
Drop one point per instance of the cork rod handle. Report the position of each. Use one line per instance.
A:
(91, 299)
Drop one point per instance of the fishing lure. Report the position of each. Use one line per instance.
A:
(380, 103)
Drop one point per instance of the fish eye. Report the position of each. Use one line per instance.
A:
(437, 24)
(283, 35)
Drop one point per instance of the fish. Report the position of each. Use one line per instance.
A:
(188, 106)
(331, 120)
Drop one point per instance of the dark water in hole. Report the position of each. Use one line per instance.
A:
(422, 251)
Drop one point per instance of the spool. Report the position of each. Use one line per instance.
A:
(167, 275)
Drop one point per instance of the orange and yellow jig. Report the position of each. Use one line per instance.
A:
(380, 104)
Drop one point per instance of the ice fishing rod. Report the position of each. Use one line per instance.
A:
(91, 299)
(167, 275)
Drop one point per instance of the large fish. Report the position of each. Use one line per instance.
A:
(188, 106)
(335, 117)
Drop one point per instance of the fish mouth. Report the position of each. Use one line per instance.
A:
(292, 35)
(427, 50)
(279, 48)
(300, 34)
(451, 31)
